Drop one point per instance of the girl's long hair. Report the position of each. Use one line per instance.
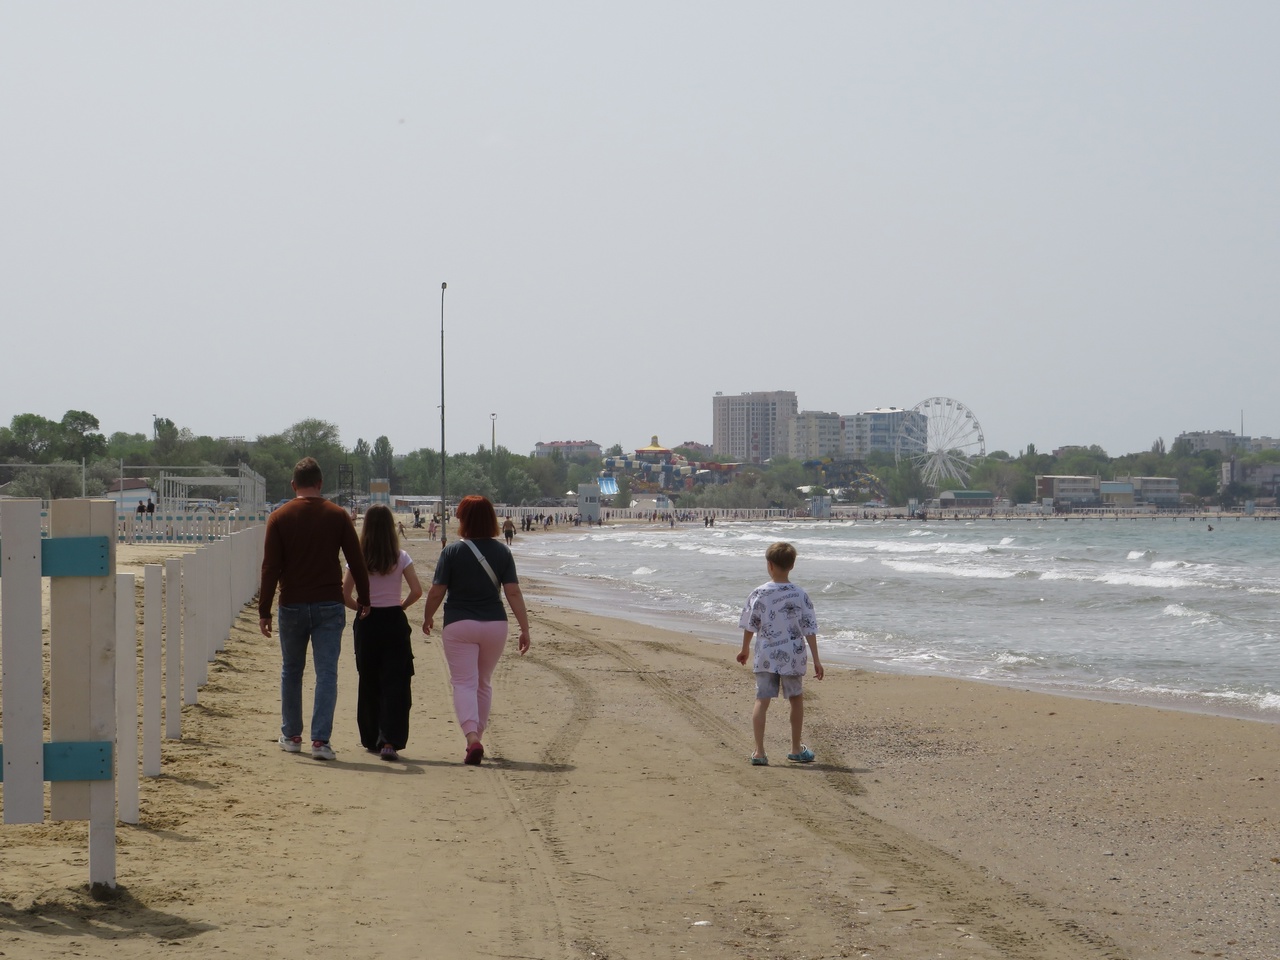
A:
(378, 540)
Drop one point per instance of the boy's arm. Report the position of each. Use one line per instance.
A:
(813, 651)
(746, 647)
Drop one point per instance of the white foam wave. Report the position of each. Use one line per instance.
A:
(1144, 580)
(1139, 554)
(1178, 610)
(968, 572)
(1014, 659)
(956, 549)
(643, 571)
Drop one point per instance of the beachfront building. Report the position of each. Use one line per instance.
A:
(1069, 491)
(812, 434)
(1219, 441)
(966, 500)
(1262, 480)
(568, 449)
(750, 427)
(1161, 492)
(1117, 494)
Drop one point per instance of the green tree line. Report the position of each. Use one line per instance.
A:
(55, 449)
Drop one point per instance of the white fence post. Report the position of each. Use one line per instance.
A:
(20, 682)
(126, 699)
(152, 615)
(82, 678)
(192, 626)
(173, 648)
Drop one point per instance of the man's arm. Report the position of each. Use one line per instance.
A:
(270, 578)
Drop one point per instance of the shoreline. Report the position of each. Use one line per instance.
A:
(590, 596)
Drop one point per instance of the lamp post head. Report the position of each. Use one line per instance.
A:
(443, 285)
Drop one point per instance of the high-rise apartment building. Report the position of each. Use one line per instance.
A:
(751, 426)
(876, 431)
(812, 434)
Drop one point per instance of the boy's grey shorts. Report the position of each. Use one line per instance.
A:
(769, 684)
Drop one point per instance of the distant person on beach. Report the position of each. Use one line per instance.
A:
(384, 656)
(509, 530)
(472, 574)
(781, 617)
(300, 555)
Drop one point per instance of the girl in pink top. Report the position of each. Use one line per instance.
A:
(384, 658)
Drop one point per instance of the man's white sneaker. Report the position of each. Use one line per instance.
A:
(290, 744)
(322, 751)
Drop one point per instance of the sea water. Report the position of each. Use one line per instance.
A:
(1153, 610)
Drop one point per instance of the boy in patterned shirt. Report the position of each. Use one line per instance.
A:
(781, 616)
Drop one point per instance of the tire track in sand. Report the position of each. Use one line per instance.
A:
(528, 792)
(1015, 924)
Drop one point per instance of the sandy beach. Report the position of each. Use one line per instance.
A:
(617, 817)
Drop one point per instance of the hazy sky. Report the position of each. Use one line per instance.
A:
(238, 215)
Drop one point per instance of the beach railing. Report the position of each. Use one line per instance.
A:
(188, 608)
(199, 526)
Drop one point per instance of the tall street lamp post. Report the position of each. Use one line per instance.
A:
(493, 438)
(444, 509)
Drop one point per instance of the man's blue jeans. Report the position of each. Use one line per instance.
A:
(320, 624)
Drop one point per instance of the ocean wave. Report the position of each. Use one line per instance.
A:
(643, 571)
(1140, 554)
(970, 572)
(961, 549)
(1178, 610)
(1145, 580)
(1009, 658)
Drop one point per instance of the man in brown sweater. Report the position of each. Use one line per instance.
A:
(301, 556)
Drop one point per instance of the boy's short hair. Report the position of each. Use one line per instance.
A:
(781, 555)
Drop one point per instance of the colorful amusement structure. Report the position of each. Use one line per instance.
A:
(655, 467)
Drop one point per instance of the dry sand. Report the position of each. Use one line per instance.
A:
(617, 817)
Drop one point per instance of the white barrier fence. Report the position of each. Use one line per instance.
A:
(200, 526)
(189, 606)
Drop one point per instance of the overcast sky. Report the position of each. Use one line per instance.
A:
(238, 215)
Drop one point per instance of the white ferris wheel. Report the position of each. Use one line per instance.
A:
(943, 439)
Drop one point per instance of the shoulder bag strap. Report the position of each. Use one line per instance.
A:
(484, 563)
